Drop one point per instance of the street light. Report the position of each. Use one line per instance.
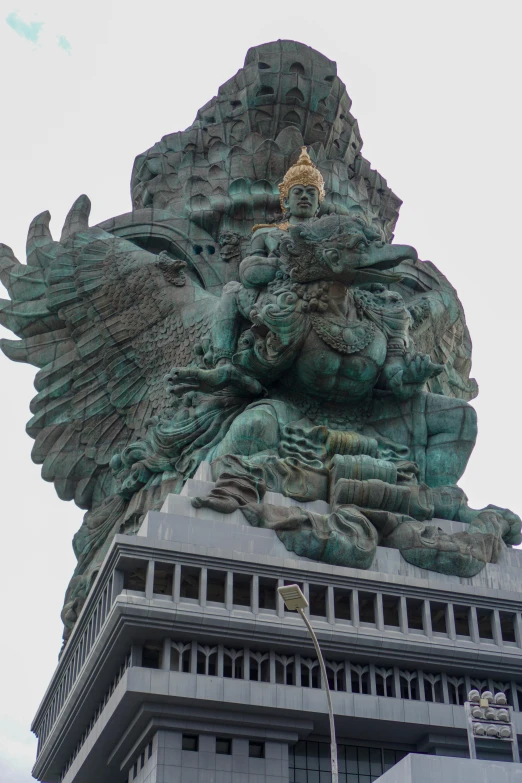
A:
(294, 599)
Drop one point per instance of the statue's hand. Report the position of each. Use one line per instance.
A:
(408, 376)
(224, 376)
(510, 523)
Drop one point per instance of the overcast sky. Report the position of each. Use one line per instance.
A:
(85, 87)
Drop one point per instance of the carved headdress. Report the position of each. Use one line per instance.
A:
(304, 172)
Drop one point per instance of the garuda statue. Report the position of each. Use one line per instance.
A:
(253, 312)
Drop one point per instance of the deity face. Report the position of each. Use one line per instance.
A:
(230, 245)
(302, 201)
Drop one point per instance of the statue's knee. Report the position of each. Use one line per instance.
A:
(252, 432)
(471, 422)
(451, 416)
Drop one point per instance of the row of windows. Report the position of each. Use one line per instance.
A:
(256, 750)
(140, 762)
(82, 647)
(97, 712)
(309, 762)
(345, 676)
(414, 615)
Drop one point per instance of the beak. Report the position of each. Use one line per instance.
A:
(387, 256)
(373, 264)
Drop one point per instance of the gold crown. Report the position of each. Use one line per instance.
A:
(304, 172)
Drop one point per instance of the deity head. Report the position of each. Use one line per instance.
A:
(302, 188)
(230, 245)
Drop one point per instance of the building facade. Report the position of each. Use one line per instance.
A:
(185, 666)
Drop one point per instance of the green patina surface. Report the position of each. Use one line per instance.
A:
(312, 357)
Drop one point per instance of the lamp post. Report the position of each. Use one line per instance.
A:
(294, 599)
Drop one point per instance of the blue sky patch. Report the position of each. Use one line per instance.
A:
(64, 44)
(28, 30)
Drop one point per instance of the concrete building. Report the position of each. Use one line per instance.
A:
(185, 667)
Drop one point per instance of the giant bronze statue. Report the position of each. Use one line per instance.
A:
(253, 312)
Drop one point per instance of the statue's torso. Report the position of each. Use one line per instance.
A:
(324, 371)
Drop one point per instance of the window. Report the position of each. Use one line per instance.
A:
(134, 579)
(390, 610)
(461, 615)
(267, 593)
(507, 626)
(242, 585)
(256, 750)
(216, 581)
(433, 688)
(438, 617)
(485, 625)
(317, 600)
(342, 604)
(151, 655)
(189, 582)
(415, 608)
(309, 762)
(163, 575)
(189, 742)
(223, 746)
(367, 608)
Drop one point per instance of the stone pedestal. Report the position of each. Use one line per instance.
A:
(185, 667)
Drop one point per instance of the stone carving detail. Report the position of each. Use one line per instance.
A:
(312, 357)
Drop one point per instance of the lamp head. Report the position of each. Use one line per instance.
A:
(293, 597)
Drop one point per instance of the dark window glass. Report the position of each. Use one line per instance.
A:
(242, 589)
(342, 604)
(317, 600)
(216, 581)
(415, 608)
(300, 755)
(461, 615)
(190, 742)
(267, 592)
(163, 576)
(363, 759)
(438, 617)
(433, 688)
(485, 623)
(309, 762)
(224, 746)
(151, 656)
(312, 755)
(189, 582)
(367, 608)
(507, 626)
(256, 750)
(134, 579)
(390, 610)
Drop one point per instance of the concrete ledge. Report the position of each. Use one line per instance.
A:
(416, 768)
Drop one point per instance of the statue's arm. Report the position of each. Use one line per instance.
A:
(405, 374)
(259, 267)
(257, 272)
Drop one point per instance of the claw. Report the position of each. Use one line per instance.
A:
(8, 262)
(38, 237)
(77, 218)
(216, 379)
